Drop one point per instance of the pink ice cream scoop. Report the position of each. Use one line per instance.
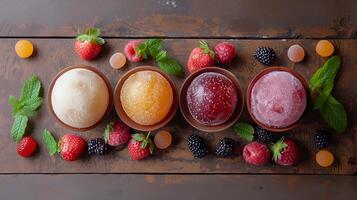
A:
(278, 99)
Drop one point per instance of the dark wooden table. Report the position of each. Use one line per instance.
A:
(173, 173)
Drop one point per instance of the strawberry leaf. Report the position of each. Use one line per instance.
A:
(204, 46)
(139, 137)
(50, 142)
(98, 40)
(277, 148)
(107, 131)
(95, 32)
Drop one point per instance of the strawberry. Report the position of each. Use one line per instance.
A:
(131, 51)
(140, 146)
(27, 146)
(117, 133)
(285, 152)
(225, 52)
(89, 45)
(256, 153)
(200, 57)
(70, 146)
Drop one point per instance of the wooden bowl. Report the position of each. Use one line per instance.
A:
(186, 113)
(125, 118)
(266, 71)
(49, 96)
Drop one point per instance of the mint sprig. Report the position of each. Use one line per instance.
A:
(321, 85)
(51, 143)
(244, 130)
(153, 48)
(25, 106)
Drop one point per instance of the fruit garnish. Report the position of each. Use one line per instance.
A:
(321, 85)
(225, 148)
(140, 146)
(244, 130)
(25, 106)
(70, 146)
(97, 146)
(263, 134)
(153, 48)
(162, 139)
(285, 152)
(256, 153)
(24, 48)
(197, 146)
(117, 133)
(225, 53)
(324, 158)
(324, 48)
(27, 146)
(200, 57)
(265, 55)
(131, 51)
(296, 53)
(321, 138)
(117, 60)
(89, 44)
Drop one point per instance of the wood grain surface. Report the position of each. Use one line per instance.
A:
(54, 54)
(176, 187)
(181, 18)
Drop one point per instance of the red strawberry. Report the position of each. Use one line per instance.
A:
(131, 52)
(70, 146)
(89, 45)
(200, 57)
(140, 146)
(285, 152)
(27, 146)
(117, 133)
(225, 52)
(256, 153)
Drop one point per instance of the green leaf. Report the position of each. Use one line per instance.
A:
(83, 37)
(98, 40)
(277, 148)
(244, 130)
(15, 104)
(204, 46)
(139, 137)
(50, 142)
(30, 89)
(154, 46)
(95, 32)
(334, 114)
(142, 50)
(322, 82)
(33, 103)
(170, 66)
(19, 127)
(107, 131)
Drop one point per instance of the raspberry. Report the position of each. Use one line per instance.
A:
(225, 52)
(256, 153)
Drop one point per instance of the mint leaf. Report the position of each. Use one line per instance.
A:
(322, 82)
(18, 127)
(244, 130)
(33, 103)
(170, 66)
(30, 89)
(334, 114)
(50, 142)
(154, 46)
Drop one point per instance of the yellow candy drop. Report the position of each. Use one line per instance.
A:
(324, 48)
(24, 48)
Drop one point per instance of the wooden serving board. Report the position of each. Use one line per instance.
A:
(54, 54)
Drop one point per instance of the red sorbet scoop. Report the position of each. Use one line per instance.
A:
(211, 98)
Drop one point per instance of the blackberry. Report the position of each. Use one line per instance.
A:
(262, 134)
(97, 146)
(197, 146)
(265, 55)
(321, 138)
(225, 148)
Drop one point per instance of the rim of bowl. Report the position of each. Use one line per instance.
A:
(235, 115)
(49, 96)
(122, 114)
(266, 71)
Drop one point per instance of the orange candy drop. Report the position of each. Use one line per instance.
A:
(324, 158)
(163, 139)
